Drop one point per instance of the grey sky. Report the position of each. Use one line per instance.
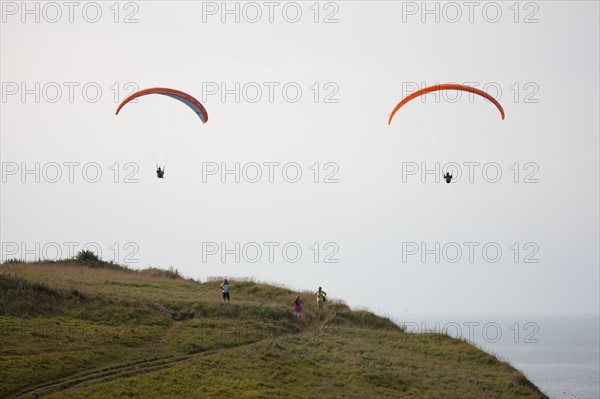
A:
(546, 72)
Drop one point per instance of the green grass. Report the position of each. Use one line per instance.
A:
(86, 329)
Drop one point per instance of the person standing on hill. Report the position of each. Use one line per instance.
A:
(321, 298)
(225, 288)
(298, 307)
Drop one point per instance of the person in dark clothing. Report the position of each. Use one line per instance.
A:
(448, 177)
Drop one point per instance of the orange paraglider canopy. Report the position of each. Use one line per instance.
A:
(446, 86)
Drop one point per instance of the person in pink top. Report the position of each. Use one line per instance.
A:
(298, 307)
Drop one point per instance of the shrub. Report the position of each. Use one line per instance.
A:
(87, 257)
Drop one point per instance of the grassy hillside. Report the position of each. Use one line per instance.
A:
(93, 329)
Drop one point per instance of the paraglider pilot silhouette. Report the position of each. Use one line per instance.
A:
(160, 173)
(448, 177)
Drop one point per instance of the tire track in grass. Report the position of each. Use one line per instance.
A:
(142, 366)
(100, 374)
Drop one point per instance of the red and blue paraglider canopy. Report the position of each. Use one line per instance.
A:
(176, 94)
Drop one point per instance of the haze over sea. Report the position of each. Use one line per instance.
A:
(559, 354)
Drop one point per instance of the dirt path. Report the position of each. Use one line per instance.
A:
(103, 374)
(164, 338)
(144, 366)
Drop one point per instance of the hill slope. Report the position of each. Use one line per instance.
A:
(75, 331)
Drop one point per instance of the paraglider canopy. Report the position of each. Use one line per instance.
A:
(185, 98)
(446, 86)
(162, 124)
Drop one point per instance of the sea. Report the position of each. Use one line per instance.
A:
(559, 354)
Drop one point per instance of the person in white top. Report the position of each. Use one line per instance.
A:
(225, 288)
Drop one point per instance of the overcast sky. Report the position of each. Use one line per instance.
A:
(307, 88)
